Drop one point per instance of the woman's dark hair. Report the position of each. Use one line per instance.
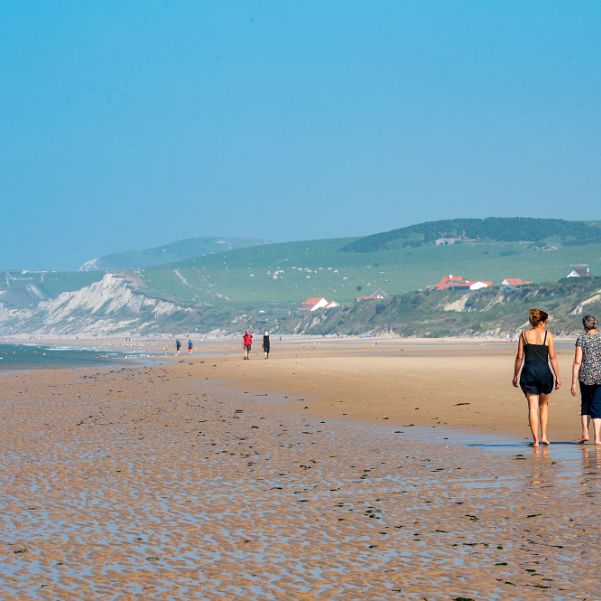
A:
(589, 322)
(538, 316)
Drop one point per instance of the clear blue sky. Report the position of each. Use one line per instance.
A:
(131, 124)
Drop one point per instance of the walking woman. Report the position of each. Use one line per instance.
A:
(535, 350)
(587, 370)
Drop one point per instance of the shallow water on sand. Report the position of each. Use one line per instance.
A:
(174, 493)
(32, 356)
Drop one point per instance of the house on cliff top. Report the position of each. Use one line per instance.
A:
(579, 271)
(315, 303)
(457, 282)
(375, 295)
(511, 283)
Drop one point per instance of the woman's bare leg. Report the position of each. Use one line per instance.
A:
(533, 416)
(585, 419)
(597, 429)
(543, 404)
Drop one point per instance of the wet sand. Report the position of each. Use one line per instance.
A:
(463, 384)
(200, 480)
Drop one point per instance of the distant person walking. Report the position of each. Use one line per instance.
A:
(190, 346)
(178, 346)
(266, 345)
(247, 342)
(587, 371)
(535, 350)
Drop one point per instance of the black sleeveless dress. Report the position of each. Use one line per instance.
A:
(536, 376)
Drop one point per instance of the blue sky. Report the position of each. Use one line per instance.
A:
(131, 124)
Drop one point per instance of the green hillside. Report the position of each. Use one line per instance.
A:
(491, 229)
(168, 253)
(491, 311)
(285, 274)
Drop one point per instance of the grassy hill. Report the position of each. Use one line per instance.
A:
(285, 274)
(168, 253)
(267, 282)
(492, 229)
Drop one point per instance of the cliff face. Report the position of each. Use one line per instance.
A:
(108, 306)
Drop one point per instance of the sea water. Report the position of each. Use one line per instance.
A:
(30, 356)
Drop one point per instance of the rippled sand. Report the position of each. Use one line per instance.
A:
(154, 483)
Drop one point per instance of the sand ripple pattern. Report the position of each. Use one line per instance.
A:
(148, 484)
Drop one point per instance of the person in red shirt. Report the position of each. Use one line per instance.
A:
(247, 342)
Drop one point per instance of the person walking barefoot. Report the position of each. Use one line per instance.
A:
(266, 344)
(247, 342)
(586, 369)
(535, 350)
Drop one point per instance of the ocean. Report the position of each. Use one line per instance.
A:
(30, 356)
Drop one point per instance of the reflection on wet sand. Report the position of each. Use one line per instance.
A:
(143, 484)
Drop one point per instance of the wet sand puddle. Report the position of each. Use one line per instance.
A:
(170, 493)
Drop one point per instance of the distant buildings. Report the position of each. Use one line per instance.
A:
(457, 282)
(479, 284)
(375, 295)
(579, 271)
(513, 283)
(445, 241)
(314, 303)
(448, 240)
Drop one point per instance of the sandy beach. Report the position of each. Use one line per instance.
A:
(354, 469)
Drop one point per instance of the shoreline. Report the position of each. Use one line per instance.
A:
(464, 384)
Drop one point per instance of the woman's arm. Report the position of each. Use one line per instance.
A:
(576, 369)
(554, 364)
(519, 359)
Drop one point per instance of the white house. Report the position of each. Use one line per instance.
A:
(479, 284)
(579, 271)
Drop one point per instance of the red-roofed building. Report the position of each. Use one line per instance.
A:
(511, 283)
(456, 282)
(375, 295)
(451, 282)
(314, 303)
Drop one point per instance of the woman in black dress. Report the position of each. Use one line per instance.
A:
(535, 351)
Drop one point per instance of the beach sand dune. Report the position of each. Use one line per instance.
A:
(165, 483)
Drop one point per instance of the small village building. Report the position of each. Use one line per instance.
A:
(332, 304)
(579, 271)
(451, 282)
(457, 282)
(512, 283)
(479, 284)
(375, 295)
(314, 303)
(445, 241)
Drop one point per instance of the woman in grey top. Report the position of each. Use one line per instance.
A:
(587, 370)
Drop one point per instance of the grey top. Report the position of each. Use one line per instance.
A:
(590, 368)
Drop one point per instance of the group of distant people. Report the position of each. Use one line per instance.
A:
(247, 343)
(539, 375)
(178, 346)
